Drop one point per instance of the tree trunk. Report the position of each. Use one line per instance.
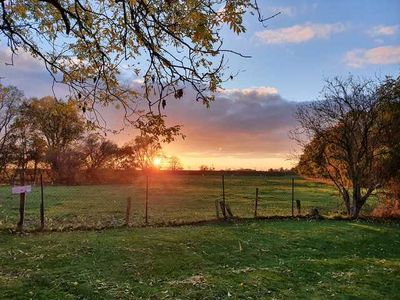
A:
(355, 205)
(346, 200)
(20, 224)
(35, 171)
(355, 212)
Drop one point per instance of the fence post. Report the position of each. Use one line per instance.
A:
(147, 198)
(128, 211)
(223, 196)
(292, 196)
(229, 211)
(223, 188)
(256, 204)
(41, 203)
(298, 205)
(216, 209)
(223, 208)
(22, 198)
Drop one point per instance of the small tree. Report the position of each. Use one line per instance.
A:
(206, 168)
(146, 149)
(347, 138)
(175, 163)
(139, 153)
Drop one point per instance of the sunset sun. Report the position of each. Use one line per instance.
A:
(157, 161)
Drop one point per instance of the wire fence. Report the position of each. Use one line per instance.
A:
(170, 199)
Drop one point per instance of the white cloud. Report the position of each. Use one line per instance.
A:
(289, 11)
(22, 61)
(299, 33)
(385, 55)
(383, 30)
(253, 93)
(29, 74)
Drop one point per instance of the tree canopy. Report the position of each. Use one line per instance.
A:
(169, 44)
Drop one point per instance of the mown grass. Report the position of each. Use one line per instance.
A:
(248, 260)
(171, 199)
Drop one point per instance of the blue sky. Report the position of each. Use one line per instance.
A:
(248, 125)
(297, 69)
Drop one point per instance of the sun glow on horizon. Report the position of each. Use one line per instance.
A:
(157, 161)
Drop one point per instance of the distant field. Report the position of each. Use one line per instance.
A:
(248, 260)
(176, 198)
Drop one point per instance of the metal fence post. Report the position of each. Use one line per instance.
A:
(41, 203)
(147, 198)
(292, 196)
(256, 204)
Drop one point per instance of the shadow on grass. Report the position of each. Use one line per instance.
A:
(220, 221)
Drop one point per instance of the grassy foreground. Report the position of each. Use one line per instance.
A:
(249, 260)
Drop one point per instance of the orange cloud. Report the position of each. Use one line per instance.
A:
(243, 128)
(358, 58)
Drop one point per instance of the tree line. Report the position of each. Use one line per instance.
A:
(51, 135)
(351, 136)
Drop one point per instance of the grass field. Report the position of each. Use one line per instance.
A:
(247, 260)
(175, 199)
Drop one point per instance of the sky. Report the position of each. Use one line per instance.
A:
(249, 123)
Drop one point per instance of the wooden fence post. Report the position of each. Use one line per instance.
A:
(298, 205)
(216, 209)
(128, 211)
(256, 204)
(228, 210)
(22, 198)
(223, 208)
(223, 197)
(41, 203)
(223, 188)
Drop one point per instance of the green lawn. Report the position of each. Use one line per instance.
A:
(171, 199)
(247, 260)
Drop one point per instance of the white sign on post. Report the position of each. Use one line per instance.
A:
(21, 189)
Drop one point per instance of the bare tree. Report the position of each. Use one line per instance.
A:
(346, 138)
(175, 163)
(206, 168)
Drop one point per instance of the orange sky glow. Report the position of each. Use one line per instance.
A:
(244, 128)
